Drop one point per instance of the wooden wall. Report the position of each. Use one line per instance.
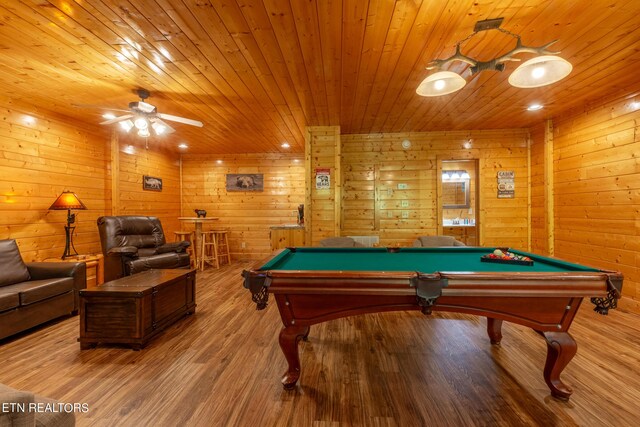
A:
(43, 154)
(374, 167)
(539, 214)
(597, 188)
(39, 158)
(136, 160)
(324, 206)
(248, 215)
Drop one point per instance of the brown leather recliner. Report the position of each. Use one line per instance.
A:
(132, 244)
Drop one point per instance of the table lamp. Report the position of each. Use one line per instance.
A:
(68, 200)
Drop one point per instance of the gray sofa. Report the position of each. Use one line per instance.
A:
(436, 241)
(26, 409)
(34, 293)
(340, 242)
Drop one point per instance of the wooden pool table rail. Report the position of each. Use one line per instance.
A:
(545, 302)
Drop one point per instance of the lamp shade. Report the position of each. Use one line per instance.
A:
(441, 83)
(540, 71)
(67, 200)
(127, 125)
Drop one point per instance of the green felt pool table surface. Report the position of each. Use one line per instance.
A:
(315, 285)
(423, 260)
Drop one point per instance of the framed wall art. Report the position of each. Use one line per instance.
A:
(151, 183)
(245, 182)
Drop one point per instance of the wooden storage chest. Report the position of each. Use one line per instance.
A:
(134, 309)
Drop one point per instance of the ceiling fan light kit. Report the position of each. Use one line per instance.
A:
(144, 116)
(127, 125)
(542, 70)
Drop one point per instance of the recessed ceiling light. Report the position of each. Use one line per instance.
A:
(183, 145)
(296, 160)
(534, 107)
(219, 161)
(109, 116)
(29, 119)
(635, 105)
(285, 145)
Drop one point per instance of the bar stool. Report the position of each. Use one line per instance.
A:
(179, 236)
(208, 249)
(222, 244)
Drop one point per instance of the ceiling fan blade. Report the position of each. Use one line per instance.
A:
(117, 119)
(181, 120)
(101, 107)
(160, 127)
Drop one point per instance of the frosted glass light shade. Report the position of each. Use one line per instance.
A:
(141, 123)
(159, 128)
(441, 83)
(127, 125)
(540, 71)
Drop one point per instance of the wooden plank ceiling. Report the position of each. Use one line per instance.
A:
(257, 72)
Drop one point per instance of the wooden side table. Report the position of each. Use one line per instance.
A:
(95, 266)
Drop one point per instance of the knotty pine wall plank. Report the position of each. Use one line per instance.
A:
(247, 215)
(597, 189)
(40, 159)
(325, 214)
(374, 165)
(137, 160)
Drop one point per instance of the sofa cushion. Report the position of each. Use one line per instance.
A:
(13, 268)
(9, 300)
(38, 290)
(435, 241)
(14, 416)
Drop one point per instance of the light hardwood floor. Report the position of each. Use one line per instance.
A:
(222, 366)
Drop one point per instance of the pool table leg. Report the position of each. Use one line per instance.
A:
(561, 348)
(289, 338)
(494, 329)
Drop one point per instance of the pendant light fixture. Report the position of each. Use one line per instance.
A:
(545, 69)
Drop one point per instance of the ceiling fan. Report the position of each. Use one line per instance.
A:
(145, 117)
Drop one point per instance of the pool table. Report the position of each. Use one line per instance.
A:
(313, 285)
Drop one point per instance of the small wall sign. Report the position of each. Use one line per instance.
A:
(151, 183)
(506, 186)
(323, 178)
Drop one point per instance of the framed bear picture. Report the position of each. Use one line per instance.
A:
(151, 183)
(245, 182)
